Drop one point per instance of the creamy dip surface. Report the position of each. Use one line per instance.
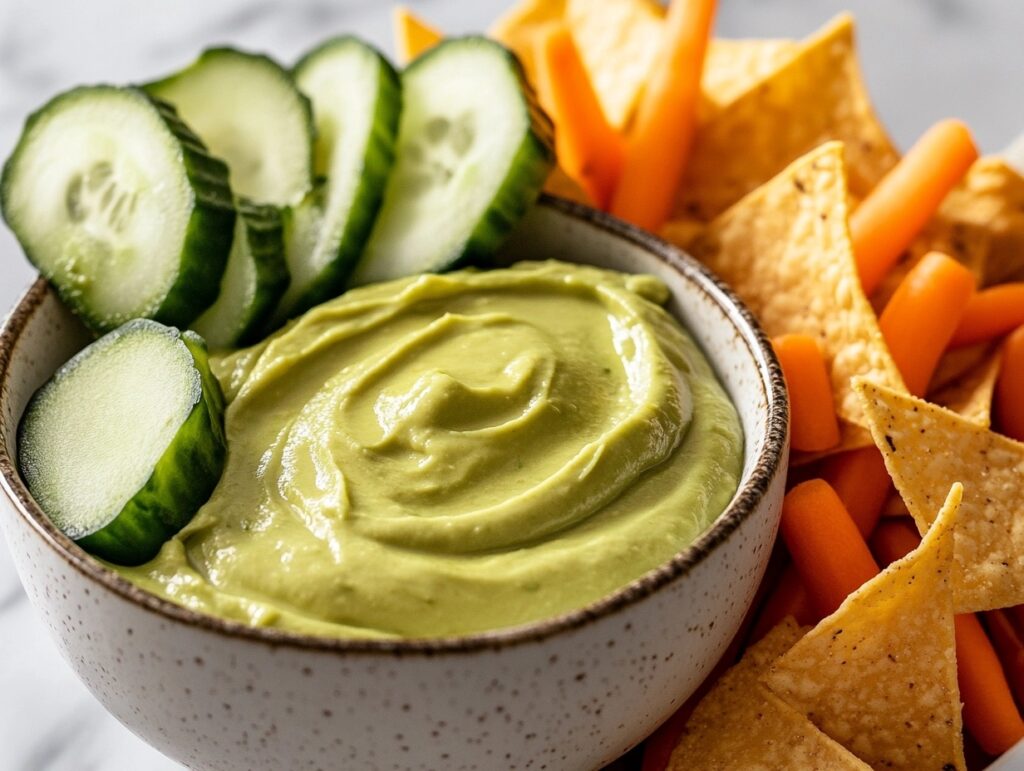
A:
(447, 454)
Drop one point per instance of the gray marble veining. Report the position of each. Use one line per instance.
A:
(923, 60)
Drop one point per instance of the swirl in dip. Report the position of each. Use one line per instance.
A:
(447, 454)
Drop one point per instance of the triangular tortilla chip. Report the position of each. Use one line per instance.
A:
(926, 449)
(413, 35)
(733, 67)
(879, 674)
(970, 396)
(815, 96)
(785, 250)
(618, 41)
(740, 724)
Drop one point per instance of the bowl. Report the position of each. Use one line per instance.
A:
(571, 692)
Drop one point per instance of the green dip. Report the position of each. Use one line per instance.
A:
(447, 454)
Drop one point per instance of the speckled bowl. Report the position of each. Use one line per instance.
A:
(571, 692)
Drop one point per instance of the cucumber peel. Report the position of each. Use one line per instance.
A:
(126, 441)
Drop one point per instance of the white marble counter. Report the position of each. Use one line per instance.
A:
(924, 59)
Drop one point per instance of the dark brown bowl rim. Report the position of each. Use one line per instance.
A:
(767, 466)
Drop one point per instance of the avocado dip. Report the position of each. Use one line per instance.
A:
(447, 454)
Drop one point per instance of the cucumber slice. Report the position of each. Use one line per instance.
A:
(249, 112)
(474, 150)
(253, 283)
(126, 441)
(119, 205)
(356, 99)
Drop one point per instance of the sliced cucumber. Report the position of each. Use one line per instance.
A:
(356, 100)
(253, 283)
(119, 205)
(126, 441)
(249, 112)
(474, 150)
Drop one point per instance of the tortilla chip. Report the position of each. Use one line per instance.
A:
(733, 67)
(879, 674)
(815, 96)
(524, 25)
(927, 448)
(785, 250)
(991, 199)
(618, 41)
(971, 395)
(741, 724)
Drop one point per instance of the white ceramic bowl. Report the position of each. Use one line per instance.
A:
(572, 692)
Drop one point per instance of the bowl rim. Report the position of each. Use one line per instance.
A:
(768, 464)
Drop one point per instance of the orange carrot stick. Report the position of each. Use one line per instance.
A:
(828, 551)
(813, 422)
(588, 148)
(788, 598)
(1009, 646)
(862, 483)
(991, 313)
(666, 119)
(413, 36)
(893, 540)
(885, 223)
(990, 713)
(922, 315)
(1009, 398)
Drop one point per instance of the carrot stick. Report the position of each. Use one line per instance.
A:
(922, 315)
(991, 313)
(989, 710)
(894, 540)
(862, 483)
(666, 119)
(589, 150)
(1009, 397)
(828, 551)
(990, 713)
(1009, 646)
(813, 422)
(1016, 615)
(885, 223)
(413, 36)
(788, 598)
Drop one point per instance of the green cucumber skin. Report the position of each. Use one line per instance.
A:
(380, 157)
(205, 248)
(265, 232)
(183, 480)
(154, 88)
(210, 228)
(532, 163)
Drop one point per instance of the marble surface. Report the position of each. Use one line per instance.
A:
(923, 59)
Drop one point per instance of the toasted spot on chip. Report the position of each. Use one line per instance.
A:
(815, 95)
(618, 41)
(785, 250)
(927, 448)
(740, 724)
(879, 674)
(971, 394)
